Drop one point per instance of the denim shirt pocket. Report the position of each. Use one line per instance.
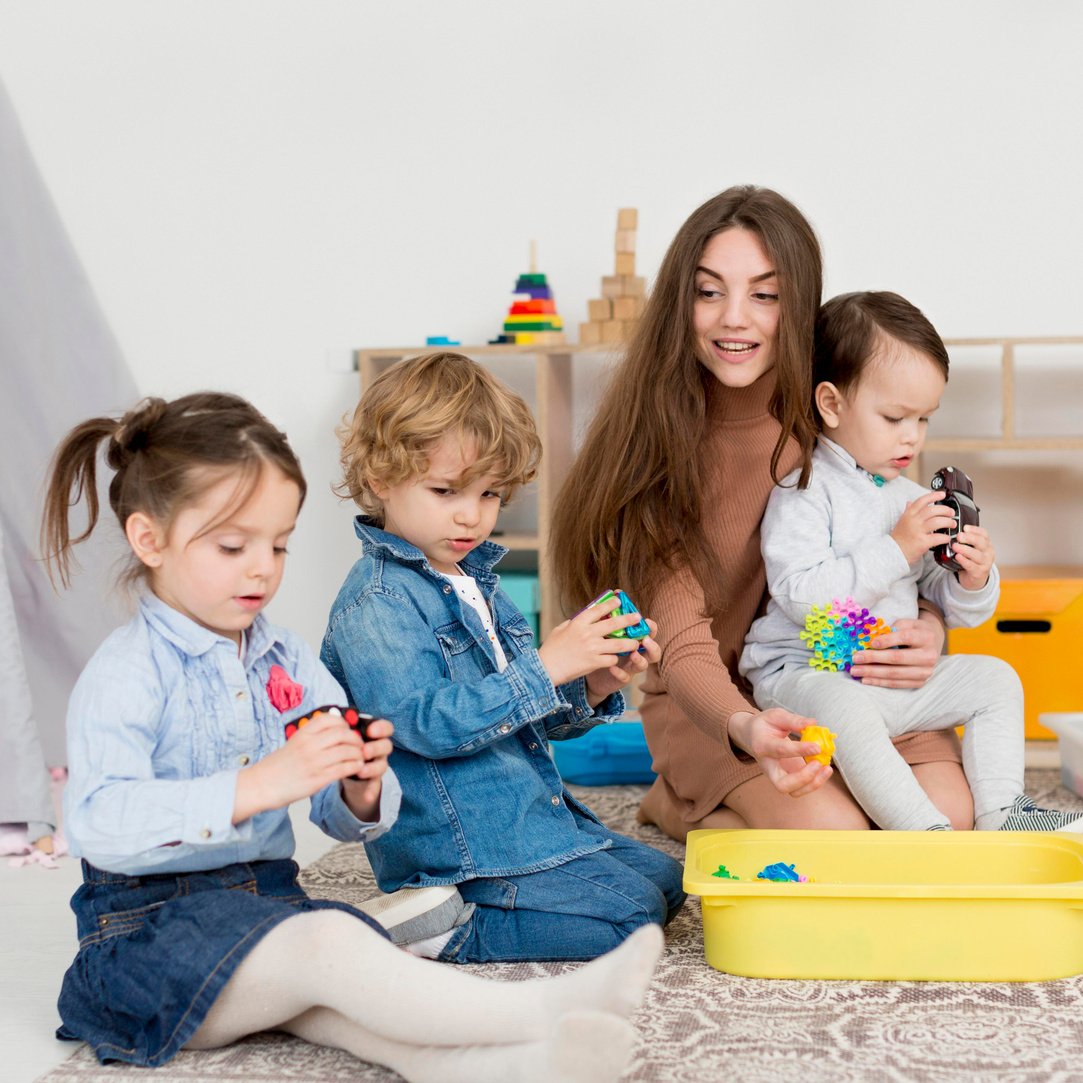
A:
(519, 636)
(462, 653)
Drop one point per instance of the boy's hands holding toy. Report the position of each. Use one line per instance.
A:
(973, 552)
(916, 531)
(325, 750)
(604, 682)
(580, 645)
(766, 737)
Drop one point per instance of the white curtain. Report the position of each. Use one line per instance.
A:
(59, 364)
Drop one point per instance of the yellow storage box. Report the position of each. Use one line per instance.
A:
(1038, 629)
(891, 905)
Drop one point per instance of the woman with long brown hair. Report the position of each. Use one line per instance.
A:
(710, 407)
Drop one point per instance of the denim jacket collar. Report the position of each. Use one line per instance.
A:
(193, 639)
(479, 562)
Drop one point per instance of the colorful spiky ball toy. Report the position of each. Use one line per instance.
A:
(833, 632)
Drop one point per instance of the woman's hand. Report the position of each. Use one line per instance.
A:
(920, 643)
(766, 737)
(604, 682)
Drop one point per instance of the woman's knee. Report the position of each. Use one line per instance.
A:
(830, 808)
(946, 786)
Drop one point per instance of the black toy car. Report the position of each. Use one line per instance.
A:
(958, 492)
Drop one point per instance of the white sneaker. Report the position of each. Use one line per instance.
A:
(418, 913)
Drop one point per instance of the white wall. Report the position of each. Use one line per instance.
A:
(251, 183)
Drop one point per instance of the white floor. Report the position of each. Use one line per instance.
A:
(37, 942)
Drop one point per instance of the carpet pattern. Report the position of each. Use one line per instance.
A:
(700, 1024)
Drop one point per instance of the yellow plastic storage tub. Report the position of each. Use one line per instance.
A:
(1037, 628)
(892, 905)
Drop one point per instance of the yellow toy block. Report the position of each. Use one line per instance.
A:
(632, 286)
(627, 218)
(626, 240)
(627, 308)
(626, 263)
(822, 736)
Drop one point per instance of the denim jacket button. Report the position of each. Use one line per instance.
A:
(205, 833)
(244, 761)
(555, 799)
(239, 695)
(533, 746)
(505, 728)
(447, 589)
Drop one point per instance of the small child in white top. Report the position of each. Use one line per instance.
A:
(861, 530)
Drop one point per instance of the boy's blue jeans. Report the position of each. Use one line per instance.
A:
(579, 910)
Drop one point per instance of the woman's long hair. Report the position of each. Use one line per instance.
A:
(631, 505)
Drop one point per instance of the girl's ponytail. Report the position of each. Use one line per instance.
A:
(73, 476)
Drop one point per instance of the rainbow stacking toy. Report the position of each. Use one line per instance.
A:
(532, 319)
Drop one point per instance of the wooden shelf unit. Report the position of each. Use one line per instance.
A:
(1006, 440)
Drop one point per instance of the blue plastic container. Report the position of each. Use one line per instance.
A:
(606, 756)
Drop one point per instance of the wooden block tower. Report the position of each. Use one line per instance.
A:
(613, 315)
(532, 319)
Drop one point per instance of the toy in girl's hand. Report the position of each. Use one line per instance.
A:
(822, 736)
(833, 632)
(621, 605)
(958, 492)
(355, 719)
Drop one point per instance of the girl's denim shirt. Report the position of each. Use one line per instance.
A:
(161, 721)
(481, 795)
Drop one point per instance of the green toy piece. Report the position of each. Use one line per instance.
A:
(724, 874)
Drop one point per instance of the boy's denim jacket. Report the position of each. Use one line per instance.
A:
(480, 793)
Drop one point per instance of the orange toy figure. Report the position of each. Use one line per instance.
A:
(824, 738)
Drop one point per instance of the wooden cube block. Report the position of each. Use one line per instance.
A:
(626, 240)
(590, 334)
(627, 218)
(549, 338)
(626, 263)
(632, 286)
(613, 331)
(612, 286)
(627, 308)
(600, 308)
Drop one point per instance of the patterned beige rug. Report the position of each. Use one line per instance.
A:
(700, 1024)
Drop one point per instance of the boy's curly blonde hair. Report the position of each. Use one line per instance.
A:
(413, 405)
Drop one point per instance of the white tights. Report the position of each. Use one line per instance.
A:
(332, 980)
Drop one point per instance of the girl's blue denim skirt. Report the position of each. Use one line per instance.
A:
(155, 951)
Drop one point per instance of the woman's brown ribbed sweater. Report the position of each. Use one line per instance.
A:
(690, 695)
